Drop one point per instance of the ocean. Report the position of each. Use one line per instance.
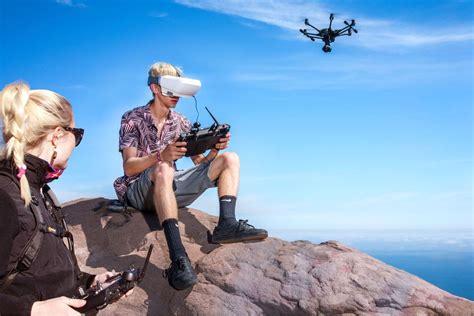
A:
(445, 259)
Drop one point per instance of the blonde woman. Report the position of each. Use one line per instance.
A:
(39, 274)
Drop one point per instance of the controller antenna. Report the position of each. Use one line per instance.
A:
(145, 265)
(215, 124)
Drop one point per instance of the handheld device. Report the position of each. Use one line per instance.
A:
(102, 294)
(201, 139)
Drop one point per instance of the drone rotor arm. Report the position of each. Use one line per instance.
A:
(331, 17)
(309, 24)
(344, 29)
(313, 34)
(315, 37)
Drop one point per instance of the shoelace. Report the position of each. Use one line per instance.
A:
(180, 265)
(244, 225)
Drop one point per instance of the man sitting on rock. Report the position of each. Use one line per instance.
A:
(149, 147)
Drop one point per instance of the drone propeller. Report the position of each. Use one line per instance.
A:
(353, 22)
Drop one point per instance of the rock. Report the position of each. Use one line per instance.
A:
(273, 277)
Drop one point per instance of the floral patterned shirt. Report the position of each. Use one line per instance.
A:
(138, 129)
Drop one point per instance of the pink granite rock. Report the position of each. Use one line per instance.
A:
(273, 277)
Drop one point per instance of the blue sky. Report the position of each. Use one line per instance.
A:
(376, 135)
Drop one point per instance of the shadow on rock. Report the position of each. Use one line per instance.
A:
(111, 240)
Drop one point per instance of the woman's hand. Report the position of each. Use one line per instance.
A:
(102, 277)
(57, 306)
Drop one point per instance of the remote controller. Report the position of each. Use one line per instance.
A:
(201, 139)
(102, 294)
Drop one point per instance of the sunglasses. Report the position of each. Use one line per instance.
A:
(77, 132)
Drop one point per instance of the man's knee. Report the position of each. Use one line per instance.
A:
(231, 159)
(163, 173)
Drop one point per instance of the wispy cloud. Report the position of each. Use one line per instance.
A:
(289, 15)
(158, 15)
(287, 73)
(71, 3)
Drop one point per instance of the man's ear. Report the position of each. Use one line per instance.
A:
(155, 88)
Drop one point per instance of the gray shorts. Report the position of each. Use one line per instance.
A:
(188, 185)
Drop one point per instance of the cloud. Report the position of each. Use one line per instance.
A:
(289, 15)
(286, 73)
(158, 15)
(71, 3)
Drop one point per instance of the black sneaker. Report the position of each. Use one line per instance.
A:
(180, 274)
(237, 232)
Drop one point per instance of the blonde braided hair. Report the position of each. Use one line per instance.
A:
(28, 116)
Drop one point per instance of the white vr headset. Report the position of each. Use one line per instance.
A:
(172, 86)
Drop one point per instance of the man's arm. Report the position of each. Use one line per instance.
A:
(200, 158)
(133, 165)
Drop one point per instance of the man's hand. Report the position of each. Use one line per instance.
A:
(223, 142)
(174, 151)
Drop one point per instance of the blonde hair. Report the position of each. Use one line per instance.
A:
(28, 116)
(164, 69)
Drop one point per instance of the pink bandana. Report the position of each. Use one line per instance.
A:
(54, 174)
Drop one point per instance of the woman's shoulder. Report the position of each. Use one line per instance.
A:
(8, 206)
(8, 185)
(9, 192)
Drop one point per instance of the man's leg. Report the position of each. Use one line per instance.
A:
(180, 274)
(163, 195)
(226, 168)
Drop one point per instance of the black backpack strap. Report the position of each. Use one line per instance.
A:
(33, 245)
(31, 249)
(55, 207)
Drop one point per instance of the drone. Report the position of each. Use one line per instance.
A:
(329, 35)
